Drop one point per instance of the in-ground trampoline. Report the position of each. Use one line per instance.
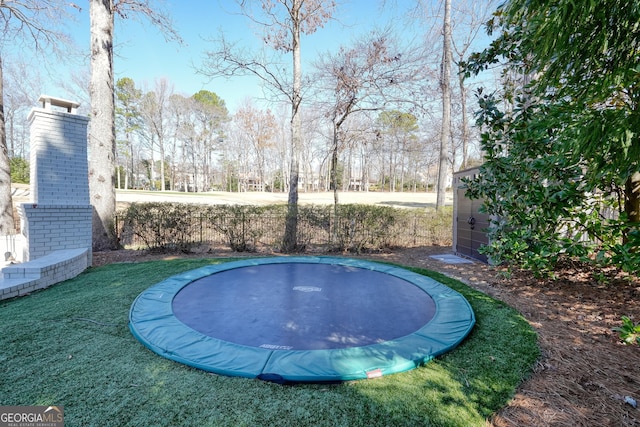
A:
(301, 319)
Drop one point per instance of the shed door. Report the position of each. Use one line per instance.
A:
(470, 224)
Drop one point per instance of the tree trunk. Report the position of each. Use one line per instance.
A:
(132, 170)
(334, 169)
(290, 241)
(7, 224)
(152, 167)
(402, 164)
(632, 198)
(465, 120)
(632, 203)
(102, 135)
(445, 86)
(163, 186)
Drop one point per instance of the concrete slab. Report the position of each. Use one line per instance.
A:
(451, 259)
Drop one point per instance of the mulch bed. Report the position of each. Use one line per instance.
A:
(584, 374)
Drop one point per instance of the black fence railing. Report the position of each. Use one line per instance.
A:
(320, 232)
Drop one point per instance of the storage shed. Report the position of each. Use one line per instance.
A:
(469, 224)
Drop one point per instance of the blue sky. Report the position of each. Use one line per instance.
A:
(142, 53)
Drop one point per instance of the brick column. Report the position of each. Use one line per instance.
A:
(60, 215)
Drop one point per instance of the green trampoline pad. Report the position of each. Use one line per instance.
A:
(301, 319)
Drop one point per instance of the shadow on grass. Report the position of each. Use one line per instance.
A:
(70, 345)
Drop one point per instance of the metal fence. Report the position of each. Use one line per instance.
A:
(316, 233)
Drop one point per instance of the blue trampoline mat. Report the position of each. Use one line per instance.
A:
(301, 319)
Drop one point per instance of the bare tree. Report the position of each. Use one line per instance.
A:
(469, 17)
(283, 147)
(21, 81)
(258, 128)
(445, 87)
(179, 111)
(200, 129)
(128, 119)
(283, 22)
(7, 225)
(164, 92)
(102, 135)
(32, 22)
(453, 28)
(154, 111)
(399, 128)
(364, 77)
(314, 146)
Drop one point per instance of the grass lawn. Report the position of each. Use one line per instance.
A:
(70, 345)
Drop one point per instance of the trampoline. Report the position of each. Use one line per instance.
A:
(301, 319)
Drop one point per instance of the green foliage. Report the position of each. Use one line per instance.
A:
(395, 121)
(127, 106)
(278, 182)
(357, 228)
(166, 226)
(240, 224)
(436, 224)
(19, 170)
(531, 190)
(314, 221)
(209, 98)
(563, 144)
(629, 332)
(178, 226)
(542, 204)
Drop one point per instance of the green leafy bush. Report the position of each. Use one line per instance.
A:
(167, 226)
(433, 227)
(544, 207)
(356, 228)
(19, 170)
(561, 136)
(314, 226)
(359, 228)
(240, 224)
(629, 332)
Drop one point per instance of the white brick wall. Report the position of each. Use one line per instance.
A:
(60, 216)
(22, 279)
(59, 169)
(57, 226)
(50, 228)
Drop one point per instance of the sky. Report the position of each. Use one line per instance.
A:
(143, 54)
